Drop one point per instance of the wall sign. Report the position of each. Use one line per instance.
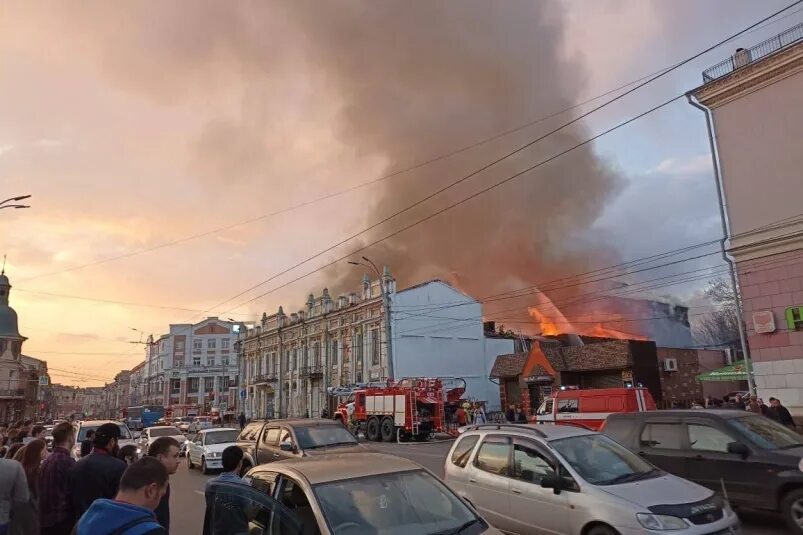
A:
(764, 322)
(539, 379)
(794, 318)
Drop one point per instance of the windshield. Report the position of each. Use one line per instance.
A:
(323, 435)
(399, 503)
(766, 433)
(164, 432)
(221, 437)
(601, 461)
(124, 434)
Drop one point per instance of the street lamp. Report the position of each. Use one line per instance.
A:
(386, 306)
(15, 200)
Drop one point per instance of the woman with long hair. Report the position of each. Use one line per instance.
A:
(26, 519)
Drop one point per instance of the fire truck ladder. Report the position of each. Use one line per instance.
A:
(414, 419)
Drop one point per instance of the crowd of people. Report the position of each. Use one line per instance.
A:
(108, 491)
(774, 411)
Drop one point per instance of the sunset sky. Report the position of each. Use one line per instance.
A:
(137, 125)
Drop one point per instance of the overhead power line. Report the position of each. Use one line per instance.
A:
(494, 162)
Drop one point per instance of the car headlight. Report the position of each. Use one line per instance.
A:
(660, 522)
(213, 455)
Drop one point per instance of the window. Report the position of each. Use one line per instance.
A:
(358, 350)
(197, 345)
(333, 353)
(265, 482)
(547, 407)
(179, 345)
(224, 383)
(304, 357)
(664, 436)
(374, 347)
(196, 361)
(529, 465)
(224, 343)
(567, 405)
(271, 437)
(286, 437)
(706, 438)
(175, 386)
(294, 360)
(316, 354)
(224, 360)
(211, 343)
(210, 360)
(192, 385)
(250, 432)
(209, 384)
(463, 451)
(493, 456)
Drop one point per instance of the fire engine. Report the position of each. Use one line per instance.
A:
(411, 408)
(590, 408)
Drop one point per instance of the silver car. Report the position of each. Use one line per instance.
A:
(562, 479)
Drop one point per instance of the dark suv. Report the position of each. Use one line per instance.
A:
(267, 441)
(758, 460)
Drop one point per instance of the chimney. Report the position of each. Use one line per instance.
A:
(342, 301)
(352, 298)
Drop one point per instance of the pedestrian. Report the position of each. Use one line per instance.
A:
(55, 512)
(86, 444)
(521, 417)
(13, 492)
(241, 419)
(753, 405)
(128, 454)
(131, 511)
(461, 416)
(13, 449)
(166, 451)
(26, 519)
(38, 431)
(324, 413)
(98, 474)
(510, 415)
(229, 519)
(479, 414)
(780, 414)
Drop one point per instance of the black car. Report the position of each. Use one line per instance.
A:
(267, 441)
(756, 459)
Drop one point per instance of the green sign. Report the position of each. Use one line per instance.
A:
(794, 318)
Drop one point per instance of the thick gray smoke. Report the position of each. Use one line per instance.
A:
(401, 82)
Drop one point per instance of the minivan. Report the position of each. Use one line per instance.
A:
(563, 479)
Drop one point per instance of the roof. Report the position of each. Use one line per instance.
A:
(544, 431)
(100, 422)
(509, 365)
(436, 281)
(702, 413)
(733, 372)
(214, 429)
(298, 422)
(338, 466)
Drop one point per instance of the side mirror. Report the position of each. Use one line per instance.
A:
(552, 482)
(287, 446)
(738, 448)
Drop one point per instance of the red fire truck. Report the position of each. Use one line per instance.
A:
(590, 408)
(411, 408)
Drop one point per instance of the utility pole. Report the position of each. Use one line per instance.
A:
(385, 311)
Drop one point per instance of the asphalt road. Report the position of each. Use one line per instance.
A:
(187, 489)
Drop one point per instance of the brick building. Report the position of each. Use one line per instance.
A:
(679, 382)
(526, 378)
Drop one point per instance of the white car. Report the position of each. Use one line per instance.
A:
(92, 425)
(201, 422)
(207, 448)
(150, 434)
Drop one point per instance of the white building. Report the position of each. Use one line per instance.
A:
(192, 370)
(436, 331)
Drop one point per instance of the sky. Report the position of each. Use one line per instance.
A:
(156, 140)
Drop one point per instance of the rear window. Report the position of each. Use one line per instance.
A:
(462, 451)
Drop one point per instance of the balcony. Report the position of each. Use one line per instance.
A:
(311, 371)
(264, 378)
(747, 56)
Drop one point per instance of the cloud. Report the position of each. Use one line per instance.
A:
(683, 167)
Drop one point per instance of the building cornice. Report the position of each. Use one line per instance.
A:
(763, 243)
(752, 77)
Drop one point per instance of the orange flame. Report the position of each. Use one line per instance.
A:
(548, 326)
(605, 332)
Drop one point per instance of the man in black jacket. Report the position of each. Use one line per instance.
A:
(86, 444)
(166, 451)
(98, 474)
(780, 414)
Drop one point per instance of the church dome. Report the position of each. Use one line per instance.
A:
(8, 322)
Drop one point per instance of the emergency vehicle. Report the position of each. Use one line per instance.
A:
(590, 408)
(411, 408)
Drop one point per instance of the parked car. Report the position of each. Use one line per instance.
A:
(207, 446)
(565, 479)
(757, 459)
(265, 442)
(200, 422)
(150, 434)
(184, 422)
(589, 408)
(353, 494)
(84, 427)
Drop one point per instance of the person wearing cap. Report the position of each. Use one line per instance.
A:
(98, 474)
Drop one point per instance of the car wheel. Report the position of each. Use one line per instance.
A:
(387, 430)
(792, 509)
(204, 469)
(601, 529)
(372, 429)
